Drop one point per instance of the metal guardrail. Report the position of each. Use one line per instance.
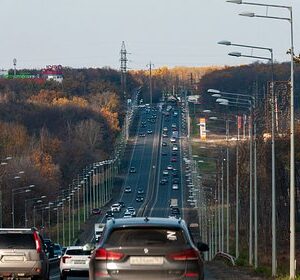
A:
(225, 256)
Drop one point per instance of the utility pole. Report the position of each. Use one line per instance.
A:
(150, 80)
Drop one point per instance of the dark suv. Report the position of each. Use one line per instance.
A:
(147, 248)
(22, 254)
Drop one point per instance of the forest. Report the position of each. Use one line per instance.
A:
(255, 80)
(50, 131)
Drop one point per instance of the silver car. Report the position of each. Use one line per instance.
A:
(147, 248)
(22, 254)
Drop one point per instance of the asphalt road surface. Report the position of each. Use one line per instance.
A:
(152, 154)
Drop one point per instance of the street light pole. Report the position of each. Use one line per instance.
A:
(292, 133)
(270, 59)
(237, 192)
(36, 200)
(250, 100)
(17, 191)
(227, 187)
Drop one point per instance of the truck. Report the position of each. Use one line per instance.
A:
(173, 202)
(99, 227)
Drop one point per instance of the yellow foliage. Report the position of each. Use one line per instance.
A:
(44, 162)
(61, 101)
(178, 71)
(112, 119)
(79, 101)
(13, 137)
(45, 96)
(75, 101)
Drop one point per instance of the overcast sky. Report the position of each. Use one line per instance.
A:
(89, 33)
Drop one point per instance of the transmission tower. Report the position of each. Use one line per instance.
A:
(123, 69)
(150, 65)
(15, 66)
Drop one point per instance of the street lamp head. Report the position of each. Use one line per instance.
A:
(224, 103)
(213, 118)
(206, 111)
(236, 54)
(247, 14)
(216, 95)
(211, 90)
(31, 186)
(224, 42)
(235, 1)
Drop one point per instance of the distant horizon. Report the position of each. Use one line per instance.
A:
(154, 68)
(89, 34)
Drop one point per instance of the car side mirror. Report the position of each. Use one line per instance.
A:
(202, 247)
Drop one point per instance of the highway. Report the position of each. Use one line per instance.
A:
(152, 154)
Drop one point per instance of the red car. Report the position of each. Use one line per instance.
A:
(173, 159)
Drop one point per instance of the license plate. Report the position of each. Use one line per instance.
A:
(79, 262)
(13, 258)
(146, 260)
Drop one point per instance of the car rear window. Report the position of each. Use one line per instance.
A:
(17, 241)
(146, 236)
(78, 252)
(57, 247)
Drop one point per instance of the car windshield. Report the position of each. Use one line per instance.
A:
(78, 252)
(146, 236)
(17, 241)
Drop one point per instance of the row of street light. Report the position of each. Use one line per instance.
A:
(247, 101)
(292, 136)
(91, 189)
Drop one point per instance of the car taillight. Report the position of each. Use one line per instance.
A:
(191, 274)
(186, 255)
(105, 255)
(64, 258)
(38, 243)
